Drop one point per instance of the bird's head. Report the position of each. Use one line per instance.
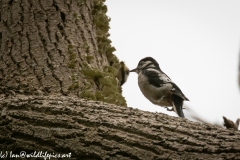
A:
(146, 63)
(122, 73)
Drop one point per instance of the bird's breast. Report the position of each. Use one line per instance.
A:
(157, 95)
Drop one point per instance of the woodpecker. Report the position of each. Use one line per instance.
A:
(157, 87)
(122, 74)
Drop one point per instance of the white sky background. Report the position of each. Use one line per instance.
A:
(196, 43)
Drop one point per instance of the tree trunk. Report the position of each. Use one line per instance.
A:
(57, 46)
(55, 52)
(97, 130)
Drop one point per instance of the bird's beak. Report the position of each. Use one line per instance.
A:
(133, 70)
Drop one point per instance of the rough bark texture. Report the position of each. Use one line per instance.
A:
(57, 46)
(97, 130)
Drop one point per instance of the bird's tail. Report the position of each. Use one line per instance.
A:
(177, 103)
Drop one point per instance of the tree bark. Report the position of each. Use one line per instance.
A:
(97, 130)
(58, 46)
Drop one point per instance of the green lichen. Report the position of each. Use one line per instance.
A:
(88, 95)
(99, 96)
(75, 14)
(107, 90)
(110, 69)
(101, 21)
(106, 83)
(110, 97)
(85, 65)
(72, 57)
(92, 73)
(73, 77)
(81, 2)
(109, 81)
(113, 60)
(74, 86)
(70, 47)
(72, 65)
(100, 84)
(114, 81)
(89, 59)
(110, 50)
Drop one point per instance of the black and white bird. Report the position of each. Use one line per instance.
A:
(157, 87)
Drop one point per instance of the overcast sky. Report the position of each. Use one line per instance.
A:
(196, 43)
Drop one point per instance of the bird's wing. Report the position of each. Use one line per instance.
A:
(177, 91)
(159, 78)
(156, 79)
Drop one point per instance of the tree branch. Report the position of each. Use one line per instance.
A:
(93, 129)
